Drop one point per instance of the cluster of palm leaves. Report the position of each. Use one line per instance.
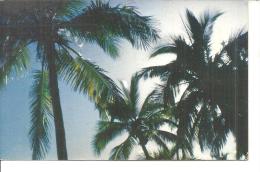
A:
(50, 27)
(141, 125)
(213, 90)
(213, 87)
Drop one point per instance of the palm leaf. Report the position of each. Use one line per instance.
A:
(123, 151)
(41, 112)
(14, 65)
(107, 131)
(105, 24)
(88, 78)
(134, 93)
(163, 49)
(155, 71)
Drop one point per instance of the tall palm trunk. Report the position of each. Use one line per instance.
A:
(54, 91)
(145, 152)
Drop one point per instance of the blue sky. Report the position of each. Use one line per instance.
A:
(79, 113)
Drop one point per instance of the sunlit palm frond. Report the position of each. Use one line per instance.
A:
(88, 78)
(41, 112)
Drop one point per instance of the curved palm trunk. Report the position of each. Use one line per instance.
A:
(57, 112)
(145, 152)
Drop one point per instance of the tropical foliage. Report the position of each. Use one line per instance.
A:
(213, 87)
(49, 28)
(202, 98)
(141, 124)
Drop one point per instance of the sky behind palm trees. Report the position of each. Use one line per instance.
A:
(80, 116)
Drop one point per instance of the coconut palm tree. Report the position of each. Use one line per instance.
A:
(213, 87)
(140, 124)
(50, 28)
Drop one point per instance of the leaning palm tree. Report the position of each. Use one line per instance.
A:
(213, 87)
(49, 28)
(140, 124)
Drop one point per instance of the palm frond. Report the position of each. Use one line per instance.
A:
(102, 23)
(67, 9)
(106, 132)
(151, 106)
(134, 93)
(160, 142)
(17, 63)
(41, 111)
(220, 138)
(162, 154)
(155, 71)
(237, 47)
(166, 136)
(88, 78)
(206, 131)
(123, 151)
(200, 30)
(163, 49)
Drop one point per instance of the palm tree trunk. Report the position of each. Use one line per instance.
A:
(57, 112)
(145, 152)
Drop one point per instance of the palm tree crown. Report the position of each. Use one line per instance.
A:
(52, 26)
(214, 97)
(141, 124)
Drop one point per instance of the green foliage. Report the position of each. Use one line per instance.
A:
(87, 78)
(17, 63)
(215, 86)
(47, 24)
(107, 131)
(41, 114)
(123, 151)
(107, 25)
(141, 125)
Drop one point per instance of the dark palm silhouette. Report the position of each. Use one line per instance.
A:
(141, 124)
(49, 27)
(213, 87)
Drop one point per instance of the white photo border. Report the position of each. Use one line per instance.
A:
(252, 165)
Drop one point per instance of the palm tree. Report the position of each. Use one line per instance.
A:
(213, 87)
(50, 27)
(141, 124)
